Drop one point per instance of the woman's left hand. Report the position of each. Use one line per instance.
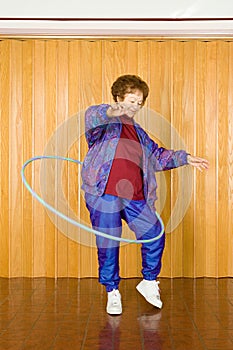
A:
(199, 163)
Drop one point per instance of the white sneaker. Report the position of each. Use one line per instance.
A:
(114, 306)
(150, 291)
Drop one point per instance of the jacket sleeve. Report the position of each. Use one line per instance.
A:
(162, 158)
(96, 121)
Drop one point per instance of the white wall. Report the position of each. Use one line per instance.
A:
(117, 8)
(28, 13)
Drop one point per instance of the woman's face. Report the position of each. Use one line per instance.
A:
(133, 101)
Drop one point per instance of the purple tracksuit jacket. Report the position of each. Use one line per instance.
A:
(102, 135)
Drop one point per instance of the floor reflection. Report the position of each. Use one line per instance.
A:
(109, 337)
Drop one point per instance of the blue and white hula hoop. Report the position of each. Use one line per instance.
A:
(73, 222)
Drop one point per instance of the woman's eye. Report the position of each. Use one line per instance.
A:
(139, 103)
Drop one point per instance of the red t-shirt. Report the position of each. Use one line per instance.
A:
(125, 178)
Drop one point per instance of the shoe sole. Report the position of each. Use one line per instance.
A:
(114, 312)
(158, 304)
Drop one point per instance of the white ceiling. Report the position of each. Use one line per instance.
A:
(116, 9)
(89, 17)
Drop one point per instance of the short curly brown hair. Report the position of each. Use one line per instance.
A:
(129, 83)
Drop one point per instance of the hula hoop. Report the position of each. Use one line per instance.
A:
(73, 222)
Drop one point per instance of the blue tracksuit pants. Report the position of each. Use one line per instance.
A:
(106, 214)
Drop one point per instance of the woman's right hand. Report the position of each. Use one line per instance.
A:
(119, 108)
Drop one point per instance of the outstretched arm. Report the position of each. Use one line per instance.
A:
(199, 163)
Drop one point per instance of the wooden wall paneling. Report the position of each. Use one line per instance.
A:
(74, 180)
(27, 128)
(143, 59)
(50, 126)
(43, 83)
(160, 105)
(199, 184)
(90, 93)
(230, 161)
(114, 64)
(177, 53)
(15, 160)
(38, 144)
(62, 118)
(188, 128)
(208, 150)
(4, 156)
(223, 156)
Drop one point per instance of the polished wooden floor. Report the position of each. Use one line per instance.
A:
(69, 313)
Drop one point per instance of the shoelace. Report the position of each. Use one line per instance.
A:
(154, 289)
(116, 297)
